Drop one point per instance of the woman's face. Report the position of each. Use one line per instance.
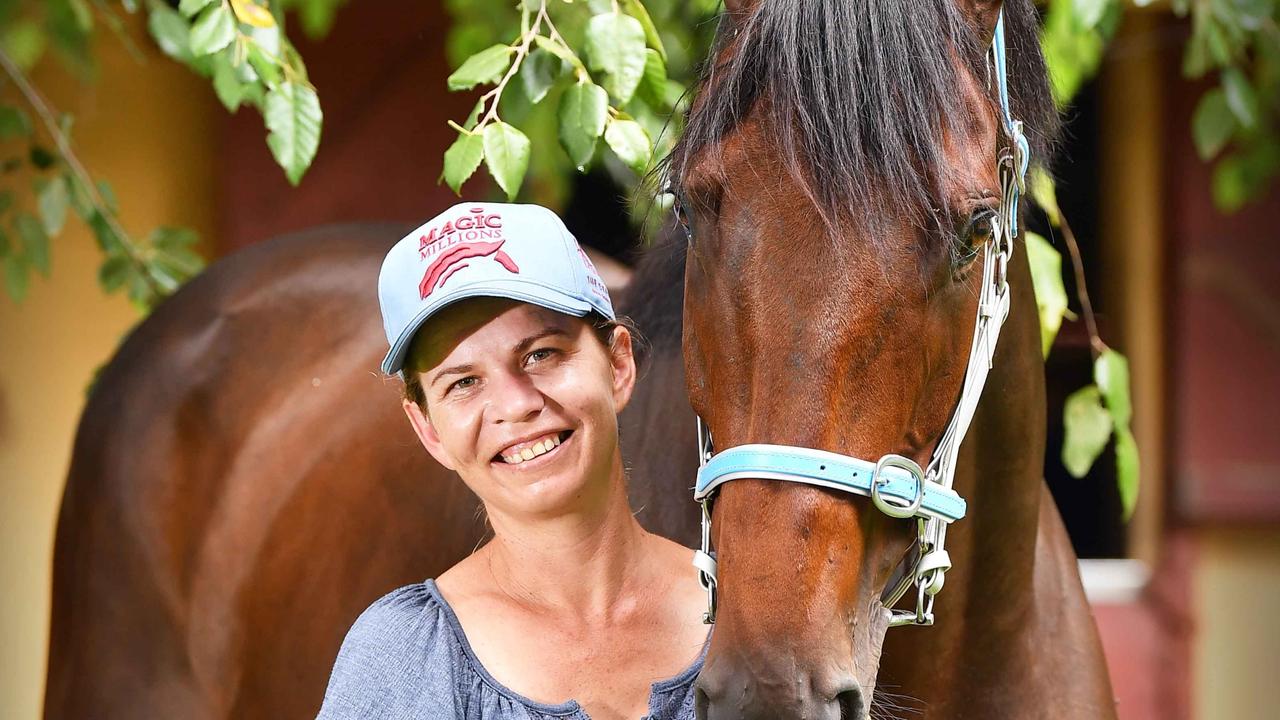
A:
(522, 402)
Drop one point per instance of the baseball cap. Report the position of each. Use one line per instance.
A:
(475, 249)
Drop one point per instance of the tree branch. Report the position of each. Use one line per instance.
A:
(1082, 291)
(49, 120)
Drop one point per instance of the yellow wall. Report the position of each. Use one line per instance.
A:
(1237, 639)
(148, 129)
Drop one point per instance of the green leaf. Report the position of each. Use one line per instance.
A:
(1089, 12)
(16, 276)
(653, 85)
(1086, 429)
(630, 143)
(214, 30)
(1240, 97)
(506, 154)
(35, 243)
(1051, 294)
(24, 41)
(583, 110)
(538, 73)
(81, 14)
(53, 201)
(226, 82)
(615, 46)
(293, 116)
(173, 238)
(13, 123)
(316, 17)
(171, 32)
(114, 272)
(1127, 469)
(1212, 124)
(264, 65)
(558, 49)
(191, 7)
(486, 66)
(173, 256)
(1230, 183)
(108, 197)
(6, 201)
(462, 158)
(1045, 194)
(41, 158)
(107, 239)
(474, 117)
(1111, 373)
(651, 36)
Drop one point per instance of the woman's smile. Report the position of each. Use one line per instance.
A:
(533, 452)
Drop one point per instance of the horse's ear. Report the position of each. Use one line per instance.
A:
(982, 15)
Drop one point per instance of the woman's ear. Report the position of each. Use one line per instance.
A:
(426, 432)
(622, 361)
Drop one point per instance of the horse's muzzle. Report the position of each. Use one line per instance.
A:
(743, 698)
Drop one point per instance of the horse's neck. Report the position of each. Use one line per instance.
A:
(1014, 592)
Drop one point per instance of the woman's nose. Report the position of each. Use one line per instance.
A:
(515, 398)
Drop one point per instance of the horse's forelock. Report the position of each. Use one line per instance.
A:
(862, 96)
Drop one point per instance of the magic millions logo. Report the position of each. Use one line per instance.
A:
(471, 236)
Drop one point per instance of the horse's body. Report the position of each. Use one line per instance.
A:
(243, 485)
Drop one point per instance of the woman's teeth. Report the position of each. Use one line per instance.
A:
(533, 451)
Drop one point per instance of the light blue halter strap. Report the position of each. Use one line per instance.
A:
(899, 486)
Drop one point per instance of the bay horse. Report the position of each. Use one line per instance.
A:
(847, 221)
(243, 484)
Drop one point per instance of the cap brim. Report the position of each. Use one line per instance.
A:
(522, 290)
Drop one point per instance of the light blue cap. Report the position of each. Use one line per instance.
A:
(521, 252)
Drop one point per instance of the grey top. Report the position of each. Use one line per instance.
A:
(407, 657)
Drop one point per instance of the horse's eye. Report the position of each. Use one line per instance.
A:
(682, 215)
(971, 238)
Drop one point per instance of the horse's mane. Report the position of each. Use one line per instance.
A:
(862, 94)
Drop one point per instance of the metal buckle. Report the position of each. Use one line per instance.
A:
(886, 507)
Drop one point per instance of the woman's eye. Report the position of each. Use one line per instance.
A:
(538, 355)
(462, 384)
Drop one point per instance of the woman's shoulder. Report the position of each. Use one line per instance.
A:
(399, 653)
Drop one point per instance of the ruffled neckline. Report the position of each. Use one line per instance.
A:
(657, 690)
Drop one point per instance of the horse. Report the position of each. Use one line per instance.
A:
(243, 484)
(848, 178)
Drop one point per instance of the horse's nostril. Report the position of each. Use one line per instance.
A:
(851, 705)
(700, 703)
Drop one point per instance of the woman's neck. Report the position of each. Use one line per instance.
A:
(585, 562)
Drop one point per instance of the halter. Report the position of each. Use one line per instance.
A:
(897, 486)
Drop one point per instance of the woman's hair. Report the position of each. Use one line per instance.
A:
(604, 330)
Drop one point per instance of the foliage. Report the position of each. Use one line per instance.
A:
(571, 74)
(237, 44)
(1095, 413)
(1234, 42)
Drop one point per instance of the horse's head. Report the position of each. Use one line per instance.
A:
(839, 179)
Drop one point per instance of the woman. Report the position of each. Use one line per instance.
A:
(515, 369)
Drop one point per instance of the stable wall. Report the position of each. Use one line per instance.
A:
(147, 128)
